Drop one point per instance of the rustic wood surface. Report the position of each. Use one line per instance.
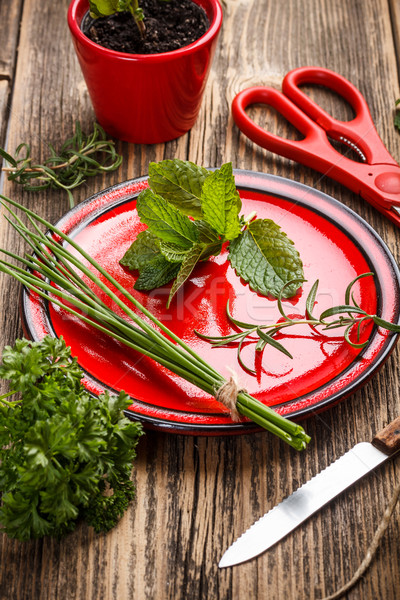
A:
(195, 495)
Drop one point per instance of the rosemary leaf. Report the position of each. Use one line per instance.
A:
(349, 316)
(80, 156)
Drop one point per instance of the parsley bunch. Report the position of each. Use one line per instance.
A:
(64, 454)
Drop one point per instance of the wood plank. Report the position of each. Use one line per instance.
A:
(9, 24)
(4, 99)
(9, 27)
(195, 495)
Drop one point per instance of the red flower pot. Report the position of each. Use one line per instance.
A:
(146, 98)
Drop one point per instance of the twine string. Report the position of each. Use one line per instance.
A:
(227, 394)
(383, 525)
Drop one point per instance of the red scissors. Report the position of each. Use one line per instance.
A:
(376, 178)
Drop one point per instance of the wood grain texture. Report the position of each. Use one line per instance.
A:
(9, 31)
(195, 495)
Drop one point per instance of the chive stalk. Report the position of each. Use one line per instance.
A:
(51, 273)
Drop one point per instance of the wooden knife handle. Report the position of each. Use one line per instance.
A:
(388, 440)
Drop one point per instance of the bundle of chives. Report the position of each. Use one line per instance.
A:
(55, 273)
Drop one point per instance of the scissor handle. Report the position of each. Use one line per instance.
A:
(360, 130)
(303, 151)
(377, 180)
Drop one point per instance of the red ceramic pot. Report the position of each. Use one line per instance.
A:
(146, 99)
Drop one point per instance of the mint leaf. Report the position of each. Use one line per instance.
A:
(156, 273)
(143, 250)
(180, 182)
(186, 269)
(207, 234)
(221, 202)
(266, 258)
(209, 238)
(145, 255)
(173, 252)
(211, 250)
(165, 221)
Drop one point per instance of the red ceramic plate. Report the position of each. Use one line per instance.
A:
(335, 244)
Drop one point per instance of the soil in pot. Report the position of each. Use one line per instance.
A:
(169, 26)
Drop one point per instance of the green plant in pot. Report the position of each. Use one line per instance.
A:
(143, 96)
(105, 8)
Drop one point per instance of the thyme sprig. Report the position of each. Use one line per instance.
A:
(56, 274)
(349, 316)
(80, 156)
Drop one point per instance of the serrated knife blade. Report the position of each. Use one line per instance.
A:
(313, 495)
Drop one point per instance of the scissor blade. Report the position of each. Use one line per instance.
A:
(303, 503)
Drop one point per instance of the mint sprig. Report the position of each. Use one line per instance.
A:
(191, 213)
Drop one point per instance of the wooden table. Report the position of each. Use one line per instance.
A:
(195, 495)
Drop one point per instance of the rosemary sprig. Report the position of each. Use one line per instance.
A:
(80, 156)
(56, 274)
(348, 315)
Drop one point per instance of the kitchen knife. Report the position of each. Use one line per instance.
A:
(313, 495)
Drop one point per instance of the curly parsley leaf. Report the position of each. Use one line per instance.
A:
(60, 446)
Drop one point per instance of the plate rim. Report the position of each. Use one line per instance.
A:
(274, 181)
